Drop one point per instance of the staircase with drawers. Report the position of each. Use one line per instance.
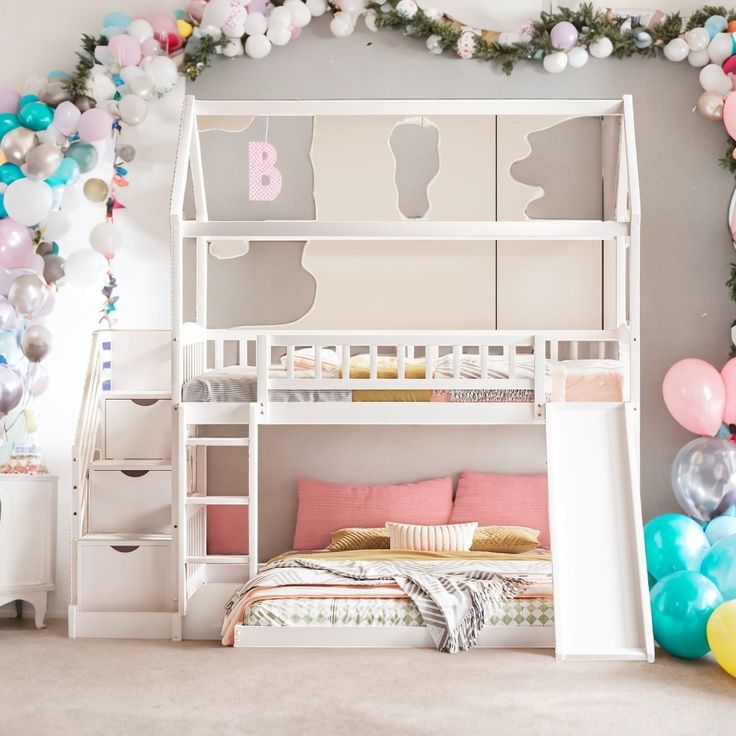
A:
(124, 561)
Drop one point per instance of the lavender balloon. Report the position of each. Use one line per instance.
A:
(563, 35)
(11, 389)
(704, 477)
(7, 314)
(16, 246)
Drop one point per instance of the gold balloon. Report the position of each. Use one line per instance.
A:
(17, 144)
(96, 190)
(710, 105)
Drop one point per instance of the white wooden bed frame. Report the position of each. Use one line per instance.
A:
(621, 628)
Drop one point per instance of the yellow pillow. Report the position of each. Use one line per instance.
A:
(509, 539)
(387, 366)
(347, 540)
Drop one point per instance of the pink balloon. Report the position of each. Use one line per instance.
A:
(9, 100)
(125, 50)
(195, 8)
(8, 316)
(161, 21)
(66, 118)
(729, 114)
(95, 125)
(16, 246)
(728, 374)
(150, 47)
(694, 393)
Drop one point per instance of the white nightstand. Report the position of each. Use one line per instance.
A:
(27, 540)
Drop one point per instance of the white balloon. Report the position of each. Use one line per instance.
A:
(342, 25)
(555, 62)
(257, 46)
(676, 50)
(51, 135)
(300, 14)
(141, 30)
(279, 36)
(84, 268)
(28, 202)
(234, 31)
(133, 109)
(232, 48)
(698, 58)
(129, 73)
(56, 226)
(720, 48)
(577, 57)
(106, 238)
(356, 6)
(697, 39)
(713, 79)
(280, 16)
(216, 13)
(163, 71)
(255, 25)
(601, 48)
(142, 85)
(406, 8)
(317, 7)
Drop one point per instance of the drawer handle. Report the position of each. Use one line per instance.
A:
(125, 548)
(135, 473)
(145, 402)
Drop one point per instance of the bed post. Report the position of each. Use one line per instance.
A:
(253, 491)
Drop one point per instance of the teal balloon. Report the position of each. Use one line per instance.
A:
(681, 606)
(117, 18)
(674, 542)
(720, 527)
(8, 122)
(652, 581)
(10, 173)
(719, 566)
(26, 99)
(3, 211)
(85, 154)
(67, 173)
(36, 115)
(58, 74)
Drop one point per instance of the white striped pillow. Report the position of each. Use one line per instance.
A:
(439, 538)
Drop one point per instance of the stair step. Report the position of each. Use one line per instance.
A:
(217, 441)
(125, 537)
(130, 465)
(219, 559)
(198, 499)
(130, 395)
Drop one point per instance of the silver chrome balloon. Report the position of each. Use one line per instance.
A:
(11, 389)
(17, 144)
(43, 160)
(54, 93)
(27, 294)
(35, 342)
(704, 477)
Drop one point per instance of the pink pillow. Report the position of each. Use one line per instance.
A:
(327, 507)
(503, 500)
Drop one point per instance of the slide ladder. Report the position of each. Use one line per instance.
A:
(601, 592)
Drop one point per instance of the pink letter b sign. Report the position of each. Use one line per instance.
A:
(264, 182)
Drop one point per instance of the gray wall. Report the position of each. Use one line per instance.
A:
(685, 243)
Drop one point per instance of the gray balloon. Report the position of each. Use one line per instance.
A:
(704, 477)
(45, 249)
(11, 389)
(53, 268)
(54, 93)
(84, 103)
(125, 152)
(27, 294)
(42, 161)
(35, 342)
(17, 144)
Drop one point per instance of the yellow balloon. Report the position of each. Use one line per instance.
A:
(96, 190)
(184, 28)
(721, 631)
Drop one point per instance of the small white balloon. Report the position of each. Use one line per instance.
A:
(406, 8)
(354, 7)
(601, 48)
(555, 62)
(133, 109)
(577, 57)
(279, 36)
(56, 226)
(720, 47)
(508, 38)
(142, 85)
(232, 48)
(317, 7)
(257, 46)
(255, 24)
(698, 58)
(342, 25)
(216, 13)
(141, 30)
(129, 73)
(84, 268)
(279, 17)
(300, 14)
(106, 238)
(676, 49)
(163, 71)
(51, 135)
(697, 39)
(713, 79)
(28, 202)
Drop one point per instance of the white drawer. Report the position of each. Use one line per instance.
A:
(125, 576)
(137, 429)
(130, 501)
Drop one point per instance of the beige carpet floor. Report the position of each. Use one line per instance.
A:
(52, 685)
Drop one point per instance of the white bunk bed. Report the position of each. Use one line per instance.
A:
(600, 599)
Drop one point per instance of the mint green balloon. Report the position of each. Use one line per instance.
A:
(682, 603)
(8, 122)
(36, 115)
(85, 154)
(719, 566)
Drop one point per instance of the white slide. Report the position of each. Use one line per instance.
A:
(601, 593)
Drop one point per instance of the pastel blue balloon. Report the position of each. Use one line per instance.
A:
(181, 15)
(682, 603)
(67, 173)
(117, 18)
(58, 74)
(730, 511)
(642, 40)
(3, 211)
(36, 115)
(674, 542)
(9, 345)
(26, 99)
(8, 122)
(10, 173)
(720, 527)
(110, 31)
(715, 24)
(719, 566)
